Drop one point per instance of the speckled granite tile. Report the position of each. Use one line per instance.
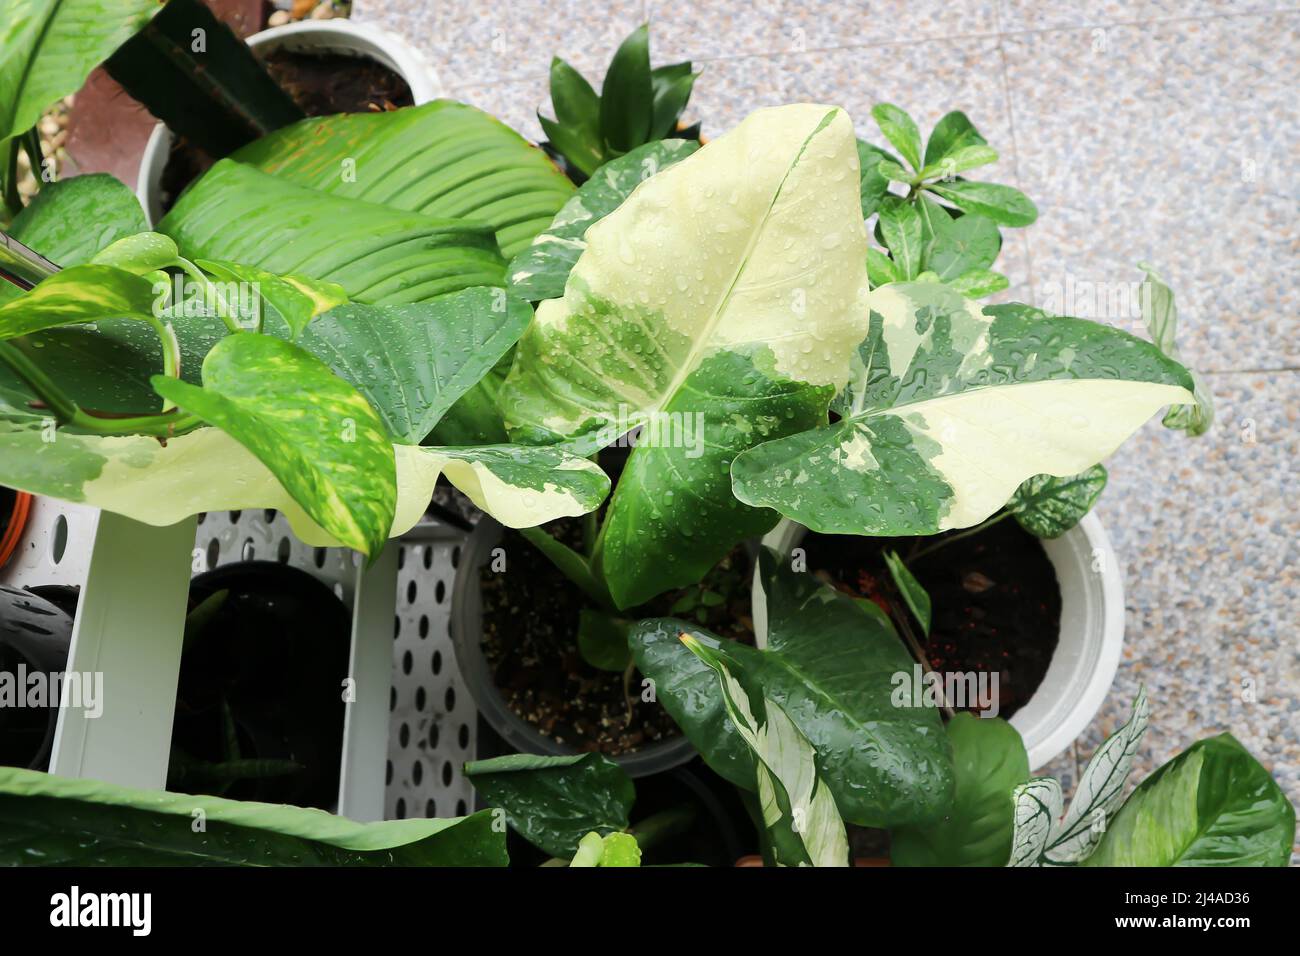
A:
(702, 30)
(1208, 532)
(1044, 15)
(472, 43)
(514, 102)
(1172, 144)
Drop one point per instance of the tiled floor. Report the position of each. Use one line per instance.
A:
(1155, 131)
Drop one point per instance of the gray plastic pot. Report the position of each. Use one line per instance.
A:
(466, 638)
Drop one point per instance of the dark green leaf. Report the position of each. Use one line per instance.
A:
(1002, 204)
(1212, 805)
(914, 595)
(1047, 506)
(55, 821)
(951, 133)
(576, 126)
(989, 761)
(313, 430)
(554, 801)
(412, 362)
(602, 640)
(875, 186)
(76, 295)
(627, 95)
(669, 104)
(217, 95)
(900, 129)
(580, 152)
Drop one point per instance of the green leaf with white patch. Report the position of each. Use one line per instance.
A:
(900, 224)
(914, 594)
(1047, 506)
(1160, 315)
(553, 801)
(1098, 792)
(78, 295)
(1003, 204)
(317, 434)
(61, 821)
(900, 129)
(747, 330)
(1212, 805)
(950, 408)
(297, 300)
(541, 270)
(798, 810)
(412, 362)
(989, 762)
(442, 159)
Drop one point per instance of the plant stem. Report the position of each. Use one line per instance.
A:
(31, 141)
(572, 565)
(13, 202)
(212, 298)
(982, 526)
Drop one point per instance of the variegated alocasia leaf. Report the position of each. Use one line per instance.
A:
(1212, 805)
(317, 434)
(1038, 807)
(799, 812)
(1099, 790)
(414, 361)
(1160, 315)
(950, 408)
(77, 295)
(541, 270)
(718, 305)
(296, 299)
(1047, 506)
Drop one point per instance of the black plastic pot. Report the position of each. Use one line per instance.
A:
(35, 635)
(276, 651)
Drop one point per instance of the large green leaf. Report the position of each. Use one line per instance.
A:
(377, 254)
(413, 361)
(77, 295)
(442, 159)
(989, 761)
(725, 292)
(951, 408)
(804, 826)
(554, 801)
(70, 220)
(1212, 805)
(540, 271)
(1048, 507)
(48, 47)
(56, 821)
(686, 687)
(215, 94)
(317, 434)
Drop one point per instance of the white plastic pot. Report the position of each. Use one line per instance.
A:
(323, 36)
(1087, 653)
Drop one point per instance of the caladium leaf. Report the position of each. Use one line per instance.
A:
(954, 132)
(412, 362)
(541, 270)
(296, 299)
(72, 822)
(938, 383)
(900, 129)
(989, 762)
(1038, 808)
(799, 812)
(1099, 790)
(49, 48)
(1212, 805)
(1047, 506)
(552, 802)
(313, 430)
(442, 159)
(236, 213)
(77, 295)
(740, 338)
(1002, 204)
(1160, 315)
(914, 595)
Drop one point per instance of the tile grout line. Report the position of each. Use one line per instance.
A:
(1015, 143)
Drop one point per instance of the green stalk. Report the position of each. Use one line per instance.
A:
(13, 202)
(211, 297)
(982, 526)
(572, 565)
